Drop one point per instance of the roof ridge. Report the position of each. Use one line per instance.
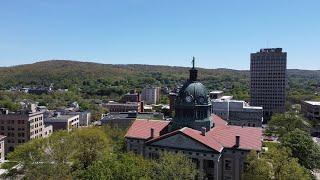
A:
(203, 136)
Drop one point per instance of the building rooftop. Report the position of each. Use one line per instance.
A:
(118, 116)
(223, 99)
(314, 103)
(209, 141)
(124, 104)
(140, 128)
(216, 92)
(60, 118)
(219, 137)
(268, 50)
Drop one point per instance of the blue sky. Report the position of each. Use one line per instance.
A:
(220, 34)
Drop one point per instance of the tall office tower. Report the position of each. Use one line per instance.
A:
(268, 80)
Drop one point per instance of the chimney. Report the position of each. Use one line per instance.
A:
(141, 106)
(151, 133)
(203, 131)
(237, 141)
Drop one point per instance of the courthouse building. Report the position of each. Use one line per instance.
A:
(216, 148)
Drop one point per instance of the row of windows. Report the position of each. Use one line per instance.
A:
(12, 121)
(36, 119)
(270, 60)
(10, 128)
(262, 66)
(37, 136)
(36, 125)
(13, 141)
(12, 134)
(183, 152)
(275, 97)
(36, 131)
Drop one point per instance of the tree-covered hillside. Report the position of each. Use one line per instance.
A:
(113, 80)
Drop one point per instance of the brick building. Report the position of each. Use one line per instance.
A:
(20, 127)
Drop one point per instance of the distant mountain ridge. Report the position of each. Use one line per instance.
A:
(75, 72)
(57, 63)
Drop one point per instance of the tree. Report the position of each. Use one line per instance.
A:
(276, 163)
(284, 166)
(257, 168)
(281, 124)
(46, 158)
(62, 154)
(174, 166)
(303, 148)
(118, 166)
(92, 145)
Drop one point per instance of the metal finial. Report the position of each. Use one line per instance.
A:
(193, 59)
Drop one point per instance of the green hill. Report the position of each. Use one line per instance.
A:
(101, 79)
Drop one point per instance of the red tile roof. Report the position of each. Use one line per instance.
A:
(219, 137)
(141, 129)
(194, 134)
(218, 121)
(250, 137)
(206, 140)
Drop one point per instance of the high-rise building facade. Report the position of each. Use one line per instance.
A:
(268, 80)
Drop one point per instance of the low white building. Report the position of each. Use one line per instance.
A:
(84, 117)
(237, 112)
(47, 131)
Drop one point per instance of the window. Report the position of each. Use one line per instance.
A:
(211, 164)
(227, 165)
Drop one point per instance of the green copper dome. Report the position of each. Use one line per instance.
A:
(192, 105)
(193, 92)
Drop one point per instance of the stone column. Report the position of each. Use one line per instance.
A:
(216, 170)
(236, 167)
(201, 164)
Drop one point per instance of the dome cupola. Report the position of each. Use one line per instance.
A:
(192, 105)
